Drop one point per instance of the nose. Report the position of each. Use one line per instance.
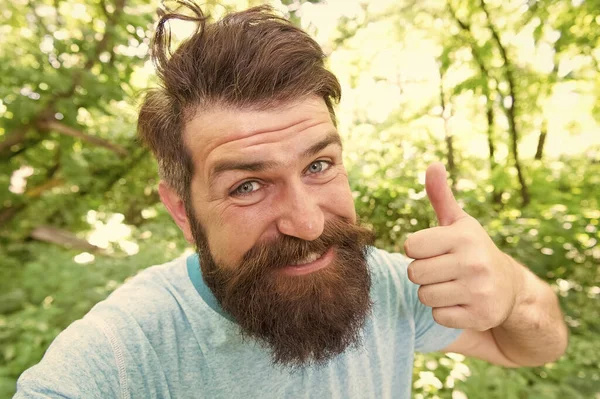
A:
(301, 216)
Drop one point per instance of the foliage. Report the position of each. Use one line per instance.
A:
(71, 75)
(548, 236)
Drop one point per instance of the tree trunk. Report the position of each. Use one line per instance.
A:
(475, 50)
(451, 165)
(510, 111)
(496, 194)
(514, 139)
(541, 141)
(447, 132)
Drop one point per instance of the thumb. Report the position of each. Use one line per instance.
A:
(440, 195)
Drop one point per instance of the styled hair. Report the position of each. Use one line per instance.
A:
(251, 59)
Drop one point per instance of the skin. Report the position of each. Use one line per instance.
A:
(293, 195)
(510, 317)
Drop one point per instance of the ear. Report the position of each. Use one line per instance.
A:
(176, 208)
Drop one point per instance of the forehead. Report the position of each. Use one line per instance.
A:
(220, 132)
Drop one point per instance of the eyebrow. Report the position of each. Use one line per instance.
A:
(332, 138)
(227, 165)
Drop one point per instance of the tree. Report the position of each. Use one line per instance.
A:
(72, 76)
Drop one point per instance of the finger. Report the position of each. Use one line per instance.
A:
(454, 317)
(450, 293)
(434, 270)
(431, 242)
(440, 195)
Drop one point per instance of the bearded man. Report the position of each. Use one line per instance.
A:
(286, 297)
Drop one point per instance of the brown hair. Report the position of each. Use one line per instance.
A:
(249, 59)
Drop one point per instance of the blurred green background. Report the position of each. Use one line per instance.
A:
(504, 92)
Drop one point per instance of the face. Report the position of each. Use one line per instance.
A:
(273, 219)
(259, 175)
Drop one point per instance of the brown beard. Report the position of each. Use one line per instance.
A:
(302, 320)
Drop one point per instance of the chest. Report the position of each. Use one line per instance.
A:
(224, 366)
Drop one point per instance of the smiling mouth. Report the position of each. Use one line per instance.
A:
(309, 259)
(310, 264)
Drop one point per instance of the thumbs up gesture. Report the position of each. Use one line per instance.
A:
(463, 276)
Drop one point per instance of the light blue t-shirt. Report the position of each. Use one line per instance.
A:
(163, 335)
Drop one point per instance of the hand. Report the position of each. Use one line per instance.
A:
(464, 277)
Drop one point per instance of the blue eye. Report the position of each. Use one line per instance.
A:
(246, 188)
(318, 166)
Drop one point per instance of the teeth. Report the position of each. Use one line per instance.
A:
(310, 258)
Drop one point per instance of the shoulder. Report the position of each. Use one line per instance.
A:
(98, 354)
(157, 279)
(146, 299)
(81, 362)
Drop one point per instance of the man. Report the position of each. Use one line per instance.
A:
(286, 297)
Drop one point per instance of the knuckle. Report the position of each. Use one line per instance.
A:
(479, 264)
(437, 316)
(486, 323)
(481, 291)
(407, 247)
(473, 237)
(487, 317)
(487, 290)
(424, 295)
(442, 318)
(413, 275)
(476, 266)
(485, 260)
(482, 312)
(467, 236)
(475, 296)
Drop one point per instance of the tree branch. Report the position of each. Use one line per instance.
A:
(18, 136)
(475, 50)
(510, 111)
(69, 131)
(63, 238)
(37, 191)
(9, 212)
(15, 138)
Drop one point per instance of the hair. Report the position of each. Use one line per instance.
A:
(251, 59)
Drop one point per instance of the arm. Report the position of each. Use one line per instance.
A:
(510, 317)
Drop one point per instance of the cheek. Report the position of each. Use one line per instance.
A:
(230, 231)
(337, 199)
(233, 232)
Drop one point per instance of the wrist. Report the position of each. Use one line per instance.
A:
(534, 332)
(525, 292)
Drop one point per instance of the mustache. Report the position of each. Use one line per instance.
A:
(286, 250)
